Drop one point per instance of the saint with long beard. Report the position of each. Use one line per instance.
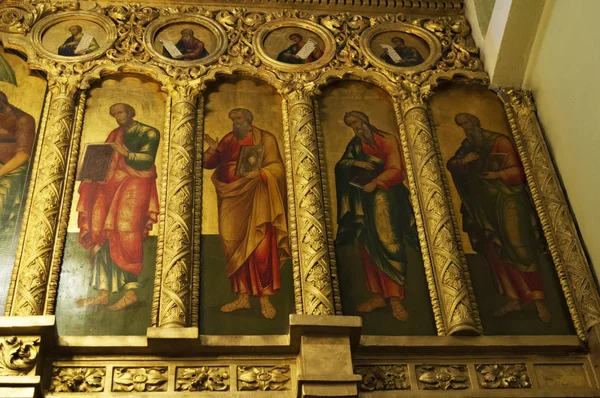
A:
(378, 215)
(252, 217)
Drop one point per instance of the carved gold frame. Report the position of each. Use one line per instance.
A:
(432, 41)
(161, 23)
(41, 27)
(37, 266)
(266, 29)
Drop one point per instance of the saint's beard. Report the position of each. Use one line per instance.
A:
(475, 136)
(365, 133)
(240, 130)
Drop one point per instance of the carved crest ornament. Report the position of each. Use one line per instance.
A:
(240, 33)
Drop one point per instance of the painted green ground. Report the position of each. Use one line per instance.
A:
(525, 322)
(96, 320)
(215, 291)
(381, 321)
(7, 260)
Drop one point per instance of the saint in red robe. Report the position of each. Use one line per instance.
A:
(121, 210)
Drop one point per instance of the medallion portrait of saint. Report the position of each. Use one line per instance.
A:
(373, 208)
(249, 180)
(117, 207)
(498, 215)
(78, 43)
(400, 54)
(301, 51)
(188, 48)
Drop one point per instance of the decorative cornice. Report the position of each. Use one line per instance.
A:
(422, 7)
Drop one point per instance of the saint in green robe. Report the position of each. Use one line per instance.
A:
(383, 219)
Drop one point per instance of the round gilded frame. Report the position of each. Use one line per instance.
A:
(435, 47)
(266, 29)
(161, 23)
(40, 29)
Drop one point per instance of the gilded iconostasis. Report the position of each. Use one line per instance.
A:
(222, 169)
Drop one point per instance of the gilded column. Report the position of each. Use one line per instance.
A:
(39, 254)
(308, 230)
(567, 252)
(454, 293)
(176, 286)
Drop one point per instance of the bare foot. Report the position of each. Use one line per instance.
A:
(100, 299)
(543, 311)
(129, 298)
(243, 301)
(398, 310)
(511, 306)
(267, 308)
(376, 301)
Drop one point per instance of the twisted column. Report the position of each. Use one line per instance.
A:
(452, 284)
(176, 285)
(39, 253)
(308, 234)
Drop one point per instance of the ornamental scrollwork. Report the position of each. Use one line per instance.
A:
(262, 378)
(204, 378)
(240, 26)
(131, 21)
(443, 377)
(503, 376)
(17, 357)
(140, 379)
(72, 379)
(19, 17)
(383, 377)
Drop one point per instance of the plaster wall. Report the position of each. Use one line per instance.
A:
(563, 75)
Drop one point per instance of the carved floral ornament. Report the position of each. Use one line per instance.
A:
(383, 377)
(261, 378)
(203, 378)
(443, 377)
(503, 376)
(17, 357)
(74, 379)
(140, 379)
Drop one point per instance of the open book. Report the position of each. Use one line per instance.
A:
(84, 43)
(171, 48)
(308, 48)
(392, 53)
(96, 162)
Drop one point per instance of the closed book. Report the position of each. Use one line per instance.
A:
(96, 162)
(251, 157)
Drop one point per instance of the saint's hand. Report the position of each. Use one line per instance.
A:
(364, 165)
(370, 187)
(212, 143)
(253, 174)
(119, 148)
(491, 175)
(470, 157)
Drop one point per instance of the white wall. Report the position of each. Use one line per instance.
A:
(564, 75)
